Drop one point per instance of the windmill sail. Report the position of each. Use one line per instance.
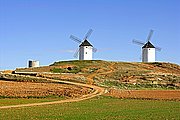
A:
(76, 39)
(157, 48)
(138, 42)
(150, 35)
(88, 34)
(94, 49)
(76, 53)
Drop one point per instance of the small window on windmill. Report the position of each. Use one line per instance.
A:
(86, 47)
(86, 52)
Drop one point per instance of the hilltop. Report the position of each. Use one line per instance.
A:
(122, 75)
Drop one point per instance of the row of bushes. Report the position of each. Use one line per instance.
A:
(139, 86)
(73, 70)
(66, 70)
(19, 78)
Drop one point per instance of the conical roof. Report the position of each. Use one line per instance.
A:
(148, 45)
(85, 43)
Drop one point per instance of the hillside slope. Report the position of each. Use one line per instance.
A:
(131, 75)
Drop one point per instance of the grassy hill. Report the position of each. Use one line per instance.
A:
(131, 75)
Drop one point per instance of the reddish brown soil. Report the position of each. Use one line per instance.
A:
(27, 89)
(146, 94)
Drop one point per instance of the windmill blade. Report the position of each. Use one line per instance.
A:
(150, 35)
(158, 48)
(94, 49)
(76, 39)
(88, 34)
(138, 42)
(140, 57)
(76, 53)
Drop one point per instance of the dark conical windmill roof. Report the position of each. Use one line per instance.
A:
(148, 45)
(85, 43)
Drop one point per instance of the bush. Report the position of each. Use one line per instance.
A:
(58, 70)
(66, 70)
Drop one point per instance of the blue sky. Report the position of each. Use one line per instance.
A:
(40, 29)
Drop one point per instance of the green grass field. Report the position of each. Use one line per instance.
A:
(17, 101)
(99, 108)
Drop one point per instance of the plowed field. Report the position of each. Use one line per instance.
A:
(28, 89)
(146, 94)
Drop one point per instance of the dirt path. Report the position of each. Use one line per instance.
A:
(91, 76)
(97, 91)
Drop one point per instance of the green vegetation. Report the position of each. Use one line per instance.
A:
(100, 108)
(164, 65)
(139, 86)
(84, 66)
(66, 70)
(78, 62)
(17, 101)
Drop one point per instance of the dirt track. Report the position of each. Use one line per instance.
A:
(97, 91)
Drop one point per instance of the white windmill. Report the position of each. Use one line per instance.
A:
(148, 49)
(85, 49)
